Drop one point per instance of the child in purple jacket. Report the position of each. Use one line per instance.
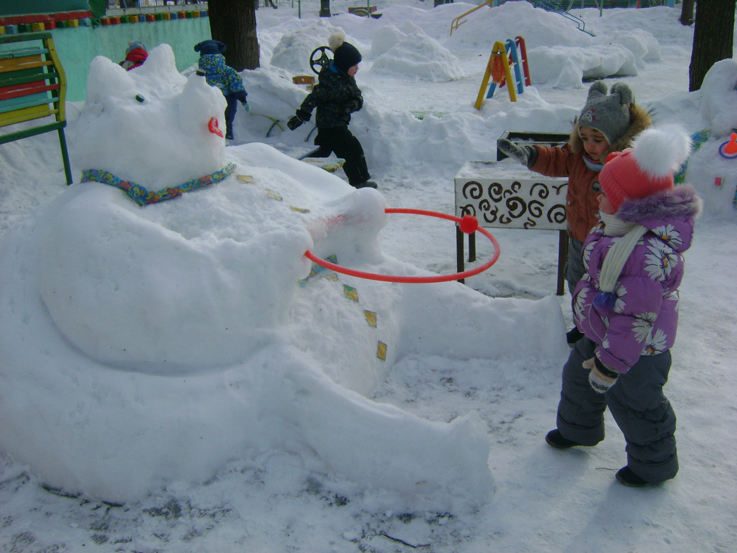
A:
(627, 307)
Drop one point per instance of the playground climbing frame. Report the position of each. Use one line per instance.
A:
(499, 70)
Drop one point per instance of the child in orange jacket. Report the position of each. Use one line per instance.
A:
(608, 123)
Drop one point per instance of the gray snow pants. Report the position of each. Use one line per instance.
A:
(636, 401)
(575, 269)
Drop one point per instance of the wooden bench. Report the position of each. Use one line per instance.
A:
(32, 87)
(508, 195)
(364, 11)
(307, 80)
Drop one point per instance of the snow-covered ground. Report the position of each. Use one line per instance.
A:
(165, 385)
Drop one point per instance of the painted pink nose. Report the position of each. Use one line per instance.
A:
(212, 126)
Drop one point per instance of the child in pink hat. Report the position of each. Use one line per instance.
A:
(626, 305)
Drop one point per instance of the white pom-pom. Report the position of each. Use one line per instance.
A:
(336, 40)
(659, 152)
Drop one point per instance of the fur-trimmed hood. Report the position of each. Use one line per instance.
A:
(678, 203)
(639, 121)
(662, 207)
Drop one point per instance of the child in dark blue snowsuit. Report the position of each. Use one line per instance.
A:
(336, 96)
(221, 75)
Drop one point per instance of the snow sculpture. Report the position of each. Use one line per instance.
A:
(719, 112)
(145, 344)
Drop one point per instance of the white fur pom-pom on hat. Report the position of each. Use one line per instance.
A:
(336, 40)
(661, 151)
(647, 167)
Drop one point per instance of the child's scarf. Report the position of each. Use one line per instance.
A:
(616, 257)
(593, 165)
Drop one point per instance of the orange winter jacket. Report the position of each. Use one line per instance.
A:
(582, 205)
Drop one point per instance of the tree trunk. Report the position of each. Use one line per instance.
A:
(687, 12)
(324, 8)
(233, 22)
(713, 38)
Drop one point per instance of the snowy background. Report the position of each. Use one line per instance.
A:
(166, 385)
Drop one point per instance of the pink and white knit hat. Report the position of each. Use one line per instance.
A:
(647, 167)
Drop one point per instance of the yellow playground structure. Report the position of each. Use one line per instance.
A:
(458, 21)
(554, 6)
(499, 70)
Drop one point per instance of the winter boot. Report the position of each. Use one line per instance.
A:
(557, 441)
(628, 478)
(365, 184)
(573, 336)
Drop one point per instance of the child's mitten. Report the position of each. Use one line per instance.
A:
(298, 119)
(601, 377)
(247, 106)
(526, 155)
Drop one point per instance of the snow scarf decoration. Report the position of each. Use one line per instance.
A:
(143, 196)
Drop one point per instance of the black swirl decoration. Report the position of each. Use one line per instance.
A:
(514, 189)
(559, 188)
(557, 214)
(495, 192)
(535, 207)
(473, 190)
(484, 205)
(542, 190)
(492, 215)
(516, 207)
(468, 209)
(530, 223)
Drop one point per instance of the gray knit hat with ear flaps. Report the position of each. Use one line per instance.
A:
(608, 114)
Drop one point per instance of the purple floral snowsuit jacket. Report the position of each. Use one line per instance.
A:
(645, 317)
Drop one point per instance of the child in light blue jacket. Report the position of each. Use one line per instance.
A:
(220, 74)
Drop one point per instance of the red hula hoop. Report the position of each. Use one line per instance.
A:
(409, 279)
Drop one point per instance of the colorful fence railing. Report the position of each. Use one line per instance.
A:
(46, 22)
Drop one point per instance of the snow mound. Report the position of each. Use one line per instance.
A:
(293, 50)
(499, 23)
(719, 97)
(560, 54)
(410, 53)
(567, 67)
